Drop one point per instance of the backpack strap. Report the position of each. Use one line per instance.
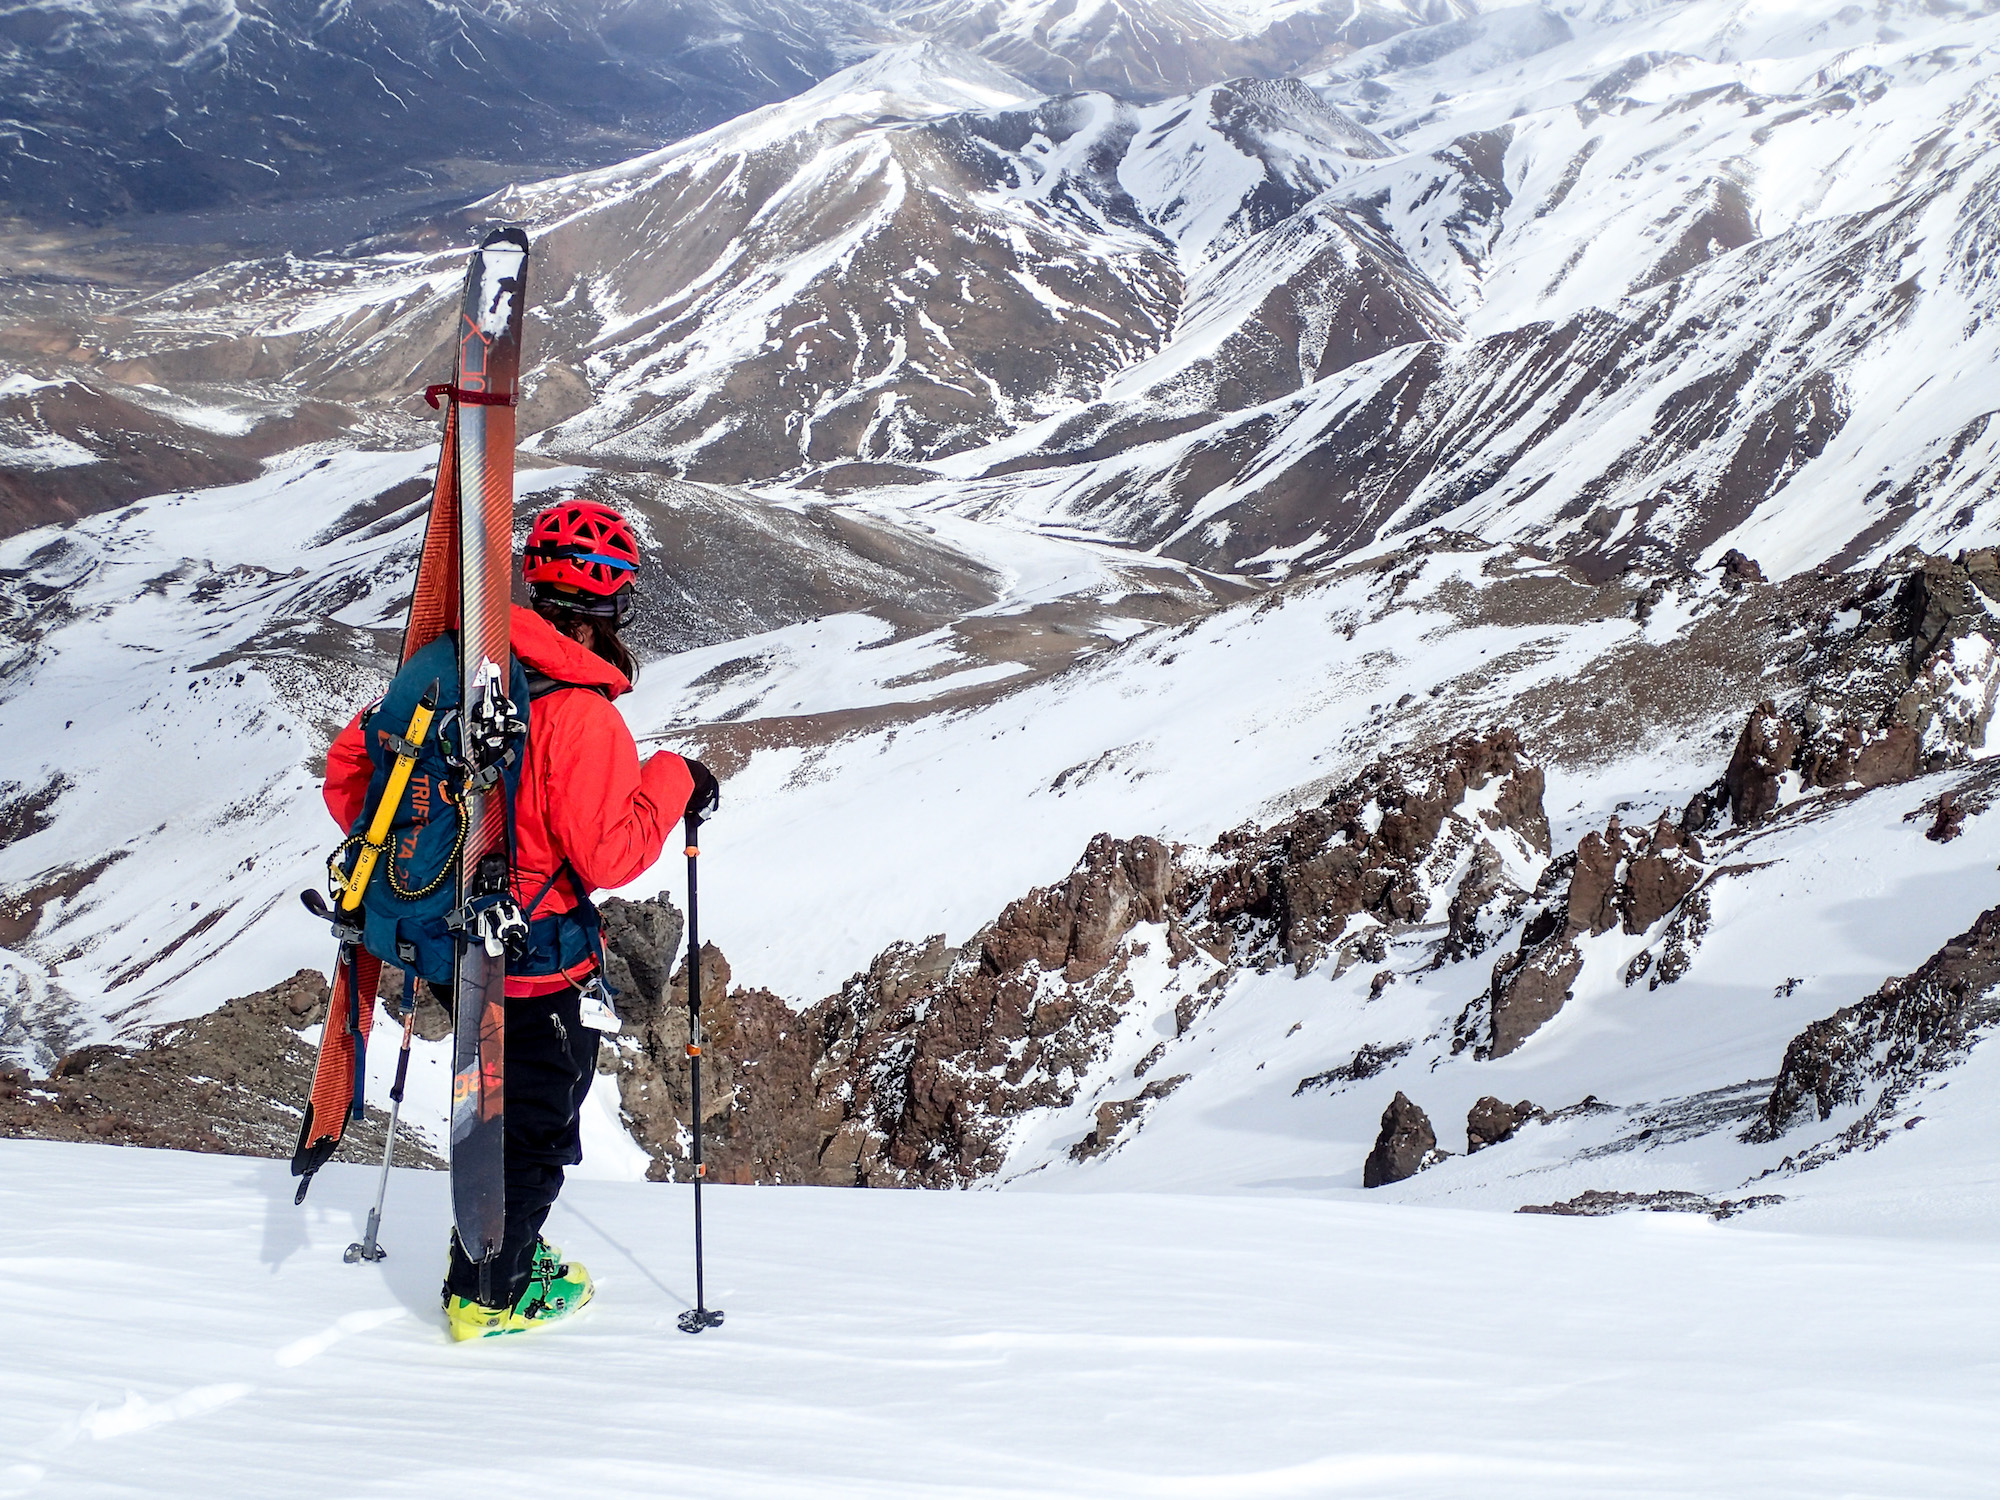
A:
(575, 882)
(540, 684)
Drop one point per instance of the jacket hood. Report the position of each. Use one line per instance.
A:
(541, 646)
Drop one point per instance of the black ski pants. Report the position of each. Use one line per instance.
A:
(550, 1059)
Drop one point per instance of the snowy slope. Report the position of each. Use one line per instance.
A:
(1802, 918)
(1004, 1345)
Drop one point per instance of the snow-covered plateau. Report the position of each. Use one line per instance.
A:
(1361, 687)
(1012, 1345)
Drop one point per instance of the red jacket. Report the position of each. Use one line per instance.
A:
(584, 794)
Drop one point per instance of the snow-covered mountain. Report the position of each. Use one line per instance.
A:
(1151, 49)
(117, 107)
(1617, 282)
(1711, 275)
(1246, 629)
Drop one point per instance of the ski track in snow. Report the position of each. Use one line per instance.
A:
(206, 1339)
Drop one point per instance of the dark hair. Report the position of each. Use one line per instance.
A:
(604, 641)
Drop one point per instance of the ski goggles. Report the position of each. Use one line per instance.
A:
(616, 607)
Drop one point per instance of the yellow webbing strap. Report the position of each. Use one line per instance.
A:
(385, 810)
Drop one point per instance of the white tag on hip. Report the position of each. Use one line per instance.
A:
(594, 1008)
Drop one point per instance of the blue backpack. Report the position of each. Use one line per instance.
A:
(412, 896)
(409, 910)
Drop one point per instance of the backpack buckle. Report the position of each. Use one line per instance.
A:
(347, 931)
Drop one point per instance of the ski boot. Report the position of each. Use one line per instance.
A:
(556, 1288)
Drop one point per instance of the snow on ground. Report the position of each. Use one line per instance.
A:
(195, 1334)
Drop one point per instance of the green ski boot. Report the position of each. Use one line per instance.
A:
(556, 1289)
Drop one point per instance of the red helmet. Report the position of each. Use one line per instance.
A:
(581, 555)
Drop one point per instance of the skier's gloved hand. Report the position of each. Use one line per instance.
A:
(707, 794)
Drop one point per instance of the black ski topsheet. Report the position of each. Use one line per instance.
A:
(489, 362)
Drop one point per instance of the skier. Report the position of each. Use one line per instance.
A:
(588, 815)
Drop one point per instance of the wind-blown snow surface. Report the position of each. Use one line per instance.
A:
(207, 1340)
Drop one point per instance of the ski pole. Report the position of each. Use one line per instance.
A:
(699, 1316)
(365, 1248)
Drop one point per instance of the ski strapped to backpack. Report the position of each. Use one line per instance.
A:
(424, 879)
(389, 880)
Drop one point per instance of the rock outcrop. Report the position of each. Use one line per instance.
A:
(1527, 991)
(1872, 1054)
(1405, 1147)
(1738, 570)
(1114, 1116)
(1368, 1060)
(1382, 850)
(642, 946)
(1764, 754)
(1624, 878)
(910, 1074)
(1902, 675)
(1490, 1121)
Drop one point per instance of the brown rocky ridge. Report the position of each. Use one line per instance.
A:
(913, 1072)
(231, 1081)
(1901, 676)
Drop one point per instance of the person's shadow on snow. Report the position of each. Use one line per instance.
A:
(416, 1220)
(284, 1225)
(572, 1211)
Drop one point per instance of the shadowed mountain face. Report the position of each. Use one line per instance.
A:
(910, 261)
(118, 106)
(115, 106)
